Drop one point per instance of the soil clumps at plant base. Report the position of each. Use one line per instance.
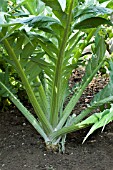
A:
(22, 148)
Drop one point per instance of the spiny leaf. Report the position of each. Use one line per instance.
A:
(91, 23)
(99, 122)
(57, 10)
(47, 24)
(94, 118)
(92, 11)
(83, 15)
(46, 44)
(41, 22)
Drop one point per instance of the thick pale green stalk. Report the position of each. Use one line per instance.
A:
(74, 127)
(25, 112)
(58, 72)
(67, 111)
(46, 125)
(66, 130)
(43, 98)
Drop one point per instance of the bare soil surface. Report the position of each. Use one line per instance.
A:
(22, 148)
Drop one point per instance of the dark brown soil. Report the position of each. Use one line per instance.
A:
(22, 148)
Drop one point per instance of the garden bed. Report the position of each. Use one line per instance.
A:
(22, 148)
